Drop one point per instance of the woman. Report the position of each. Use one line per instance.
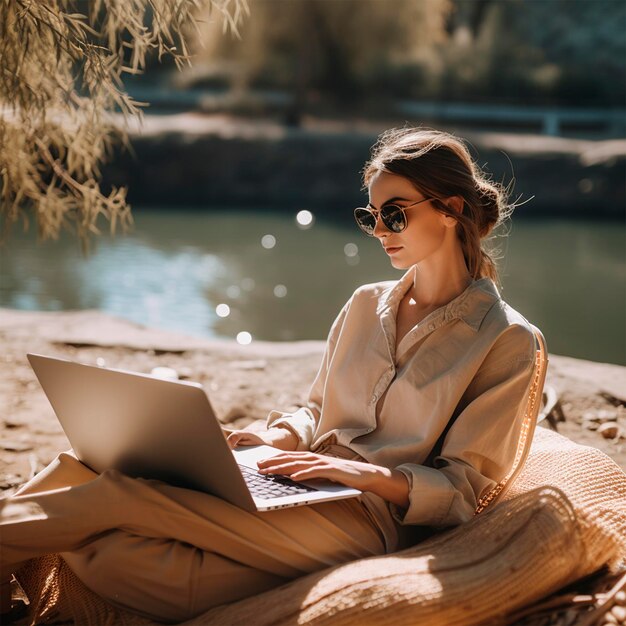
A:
(419, 402)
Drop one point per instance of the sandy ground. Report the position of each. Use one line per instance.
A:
(243, 382)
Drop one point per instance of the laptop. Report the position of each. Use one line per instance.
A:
(148, 427)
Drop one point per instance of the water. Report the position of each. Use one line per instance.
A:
(567, 277)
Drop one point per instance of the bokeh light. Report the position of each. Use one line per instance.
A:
(268, 241)
(244, 338)
(351, 249)
(222, 310)
(280, 291)
(305, 219)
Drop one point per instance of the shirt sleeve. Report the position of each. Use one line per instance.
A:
(480, 445)
(303, 422)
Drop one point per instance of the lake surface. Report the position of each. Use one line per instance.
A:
(177, 266)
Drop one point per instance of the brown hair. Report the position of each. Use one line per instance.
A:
(440, 165)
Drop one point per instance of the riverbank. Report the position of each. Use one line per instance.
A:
(244, 382)
(202, 160)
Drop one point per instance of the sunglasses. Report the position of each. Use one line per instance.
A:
(392, 215)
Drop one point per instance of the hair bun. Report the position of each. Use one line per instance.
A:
(493, 205)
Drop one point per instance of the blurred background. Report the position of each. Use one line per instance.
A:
(245, 172)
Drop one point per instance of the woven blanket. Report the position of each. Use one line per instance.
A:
(563, 518)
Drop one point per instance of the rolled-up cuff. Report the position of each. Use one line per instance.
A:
(430, 497)
(301, 423)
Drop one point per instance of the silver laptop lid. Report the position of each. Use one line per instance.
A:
(141, 426)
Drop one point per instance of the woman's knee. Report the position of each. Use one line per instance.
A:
(164, 579)
(146, 575)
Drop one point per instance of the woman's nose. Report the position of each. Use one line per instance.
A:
(380, 229)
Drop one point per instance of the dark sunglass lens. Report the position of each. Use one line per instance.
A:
(365, 220)
(393, 218)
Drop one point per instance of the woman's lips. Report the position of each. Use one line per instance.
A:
(392, 250)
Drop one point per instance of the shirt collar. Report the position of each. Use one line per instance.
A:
(471, 305)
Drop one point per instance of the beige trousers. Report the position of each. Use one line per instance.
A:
(170, 553)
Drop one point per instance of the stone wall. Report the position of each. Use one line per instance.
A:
(299, 168)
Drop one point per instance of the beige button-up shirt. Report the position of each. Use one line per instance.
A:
(445, 409)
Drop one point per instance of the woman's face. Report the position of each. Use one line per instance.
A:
(426, 228)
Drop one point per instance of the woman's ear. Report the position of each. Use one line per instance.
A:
(455, 203)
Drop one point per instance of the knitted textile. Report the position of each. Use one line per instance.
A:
(563, 518)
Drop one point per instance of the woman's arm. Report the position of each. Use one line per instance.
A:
(280, 438)
(389, 484)
(479, 448)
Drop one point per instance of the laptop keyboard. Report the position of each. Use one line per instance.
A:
(264, 486)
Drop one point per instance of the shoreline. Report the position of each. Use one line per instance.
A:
(243, 382)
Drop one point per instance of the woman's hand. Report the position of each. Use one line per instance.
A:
(280, 438)
(389, 484)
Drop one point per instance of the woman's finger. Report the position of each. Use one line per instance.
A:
(286, 468)
(315, 472)
(287, 456)
(232, 439)
(242, 439)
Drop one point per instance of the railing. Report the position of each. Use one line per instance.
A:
(550, 120)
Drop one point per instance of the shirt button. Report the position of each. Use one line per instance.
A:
(431, 327)
(373, 400)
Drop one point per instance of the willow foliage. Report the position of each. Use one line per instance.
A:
(60, 84)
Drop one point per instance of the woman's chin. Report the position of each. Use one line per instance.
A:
(399, 264)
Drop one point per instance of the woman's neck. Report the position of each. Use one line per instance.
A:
(434, 289)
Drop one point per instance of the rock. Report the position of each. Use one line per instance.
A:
(16, 446)
(185, 373)
(610, 430)
(10, 480)
(259, 364)
(603, 415)
(167, 373)
(614, 392)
